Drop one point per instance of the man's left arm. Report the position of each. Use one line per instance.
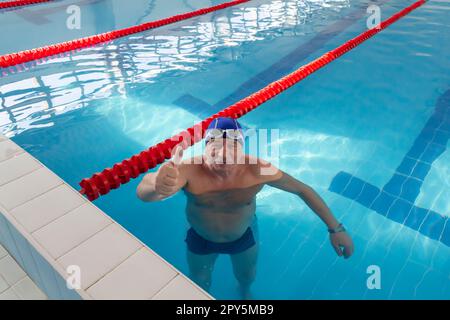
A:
(340, 240)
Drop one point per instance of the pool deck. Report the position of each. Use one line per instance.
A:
(46, 227)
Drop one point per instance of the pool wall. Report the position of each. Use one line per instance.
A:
(49, 228)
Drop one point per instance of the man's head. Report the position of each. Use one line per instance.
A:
(224, 144)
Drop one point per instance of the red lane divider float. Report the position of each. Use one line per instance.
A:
(13, 59)
(111, 178)
(20, 3)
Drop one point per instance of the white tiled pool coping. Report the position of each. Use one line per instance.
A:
(15, 284)
(66, 229)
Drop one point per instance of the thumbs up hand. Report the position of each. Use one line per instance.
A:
(167, 180)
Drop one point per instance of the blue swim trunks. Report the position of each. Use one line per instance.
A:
(199, 245)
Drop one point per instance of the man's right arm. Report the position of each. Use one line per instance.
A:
(146, 190)
(167, 181)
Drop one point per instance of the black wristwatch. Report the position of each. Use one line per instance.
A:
(339, 228)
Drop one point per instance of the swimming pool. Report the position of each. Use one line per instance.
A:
(353, 131)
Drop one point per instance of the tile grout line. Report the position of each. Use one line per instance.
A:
(7, 284)
(114, 268)
(1, 277)
(25, 276)
(13, 288)
(85, 240)
(58, 218)
(163, 287)
(21, 151)
(37, 196)
(51, 221)
(18, 177)
(81, 243)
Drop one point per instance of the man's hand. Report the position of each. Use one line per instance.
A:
(165, 182)
(167, 178)
(340, 241)
(342, 244)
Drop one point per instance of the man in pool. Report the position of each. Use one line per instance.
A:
(221, 187)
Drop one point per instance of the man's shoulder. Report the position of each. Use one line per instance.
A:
(263, 170)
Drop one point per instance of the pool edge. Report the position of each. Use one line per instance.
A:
(45, 250)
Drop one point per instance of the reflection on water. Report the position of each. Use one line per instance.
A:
(67, 83)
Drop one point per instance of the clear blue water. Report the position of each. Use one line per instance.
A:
(353, 131)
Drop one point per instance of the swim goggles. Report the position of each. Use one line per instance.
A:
(234, 134)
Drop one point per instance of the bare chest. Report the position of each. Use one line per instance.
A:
(227, 198)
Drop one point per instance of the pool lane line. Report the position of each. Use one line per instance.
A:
(111, 178)
(20, 3)
(396, 199)
(281, 67)
(13, 59)
(4, 72)
(272, 73)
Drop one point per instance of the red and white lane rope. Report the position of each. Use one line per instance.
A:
(13, 59)
(111, 178)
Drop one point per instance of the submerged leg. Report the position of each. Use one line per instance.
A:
(201, 267)
(244, 268)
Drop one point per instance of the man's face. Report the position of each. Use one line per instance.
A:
(223, 155)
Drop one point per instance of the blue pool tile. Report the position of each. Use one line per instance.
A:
(277, 73)
(250, 87)
(354, 188)
(225, 103)
(441, 137)
(446, 123)
(432, 152)
(445, 129)
(443, 105)
(433, 225)
(406, 166)
(417, 149)
(399, 210)
(416, 217)
(194, 105)
(435, 121)
(339, 182)
(421, 170)
(394, 185)
(396, 199)
(427, 134)
(382, 203)
(410, 189)
(446, 234)
(188, 100)
(368, 194)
